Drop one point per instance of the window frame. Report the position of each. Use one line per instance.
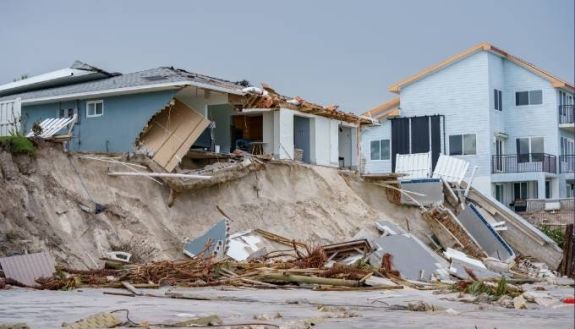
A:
(529, 103)
(69, 112)
(462, 144)
(498, 100)
(380, 148)
(95, 103)
(530, 156)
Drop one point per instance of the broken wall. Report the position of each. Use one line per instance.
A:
(324, 137)
(222, 115)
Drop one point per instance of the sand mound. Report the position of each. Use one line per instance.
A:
(43, 196)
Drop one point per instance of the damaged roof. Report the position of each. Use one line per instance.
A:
(157, 77)
(388, 109)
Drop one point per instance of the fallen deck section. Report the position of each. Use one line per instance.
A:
(520, 234)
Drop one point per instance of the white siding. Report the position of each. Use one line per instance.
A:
(530, 120)
(460, 93)
(369, 134)
(463, 94)
(323, 136)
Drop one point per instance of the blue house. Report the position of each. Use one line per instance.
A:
(164, 112)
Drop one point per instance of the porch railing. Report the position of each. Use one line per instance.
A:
(523, 163)
(566, 114)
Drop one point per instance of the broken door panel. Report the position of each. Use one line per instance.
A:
(170, 134)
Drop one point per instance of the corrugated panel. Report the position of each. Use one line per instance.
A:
(450, 169)
(52, 126)
(416, 165)
(27, 268)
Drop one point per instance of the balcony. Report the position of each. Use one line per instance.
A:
(524, 163)
(567, 164)
(567, 117)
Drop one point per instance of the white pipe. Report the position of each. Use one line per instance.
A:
(157, 174)
(470, 181)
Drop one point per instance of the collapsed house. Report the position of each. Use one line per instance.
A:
(170, 114)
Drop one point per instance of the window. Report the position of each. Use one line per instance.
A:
(533, 97)
(567, 146)
(66, 113)
(462, 144)
(94, 109)
(380, 149)
(547, 189)
(497, 99)
(530, 147)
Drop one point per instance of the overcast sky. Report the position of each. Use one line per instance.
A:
(329, 52)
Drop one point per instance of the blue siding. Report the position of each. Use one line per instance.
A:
(116, 131)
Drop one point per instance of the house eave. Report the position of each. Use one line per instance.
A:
(128, 91)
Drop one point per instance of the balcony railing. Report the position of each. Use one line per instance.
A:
(566, 114)
(520, 163)
(567, 163)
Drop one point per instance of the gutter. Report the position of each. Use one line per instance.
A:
(130, 90)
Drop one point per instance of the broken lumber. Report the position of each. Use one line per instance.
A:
(283, 277)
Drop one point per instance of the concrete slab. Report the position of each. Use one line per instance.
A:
(215, 239)
(487, 238)
(413, 259)
(425, 192)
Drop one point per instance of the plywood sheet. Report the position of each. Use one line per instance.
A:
(171, 133)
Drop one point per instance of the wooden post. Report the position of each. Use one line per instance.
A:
(567, 266)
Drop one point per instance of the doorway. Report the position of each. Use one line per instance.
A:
(345, 147)
(301, 139)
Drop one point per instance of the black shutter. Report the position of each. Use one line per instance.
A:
(420, 134)
(399, 138)
(435, 139)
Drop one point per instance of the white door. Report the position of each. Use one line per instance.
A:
(9, 117)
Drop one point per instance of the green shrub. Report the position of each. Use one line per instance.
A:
(557, 234)
(17, 144)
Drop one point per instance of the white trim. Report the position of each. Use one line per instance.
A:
(46, 77)
(130, 90)
(380, 148)
(95, 115)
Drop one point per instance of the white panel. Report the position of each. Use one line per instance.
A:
(450, 169)
(417, 165)
(9, 117)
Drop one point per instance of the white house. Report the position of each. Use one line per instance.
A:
(506, 116)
